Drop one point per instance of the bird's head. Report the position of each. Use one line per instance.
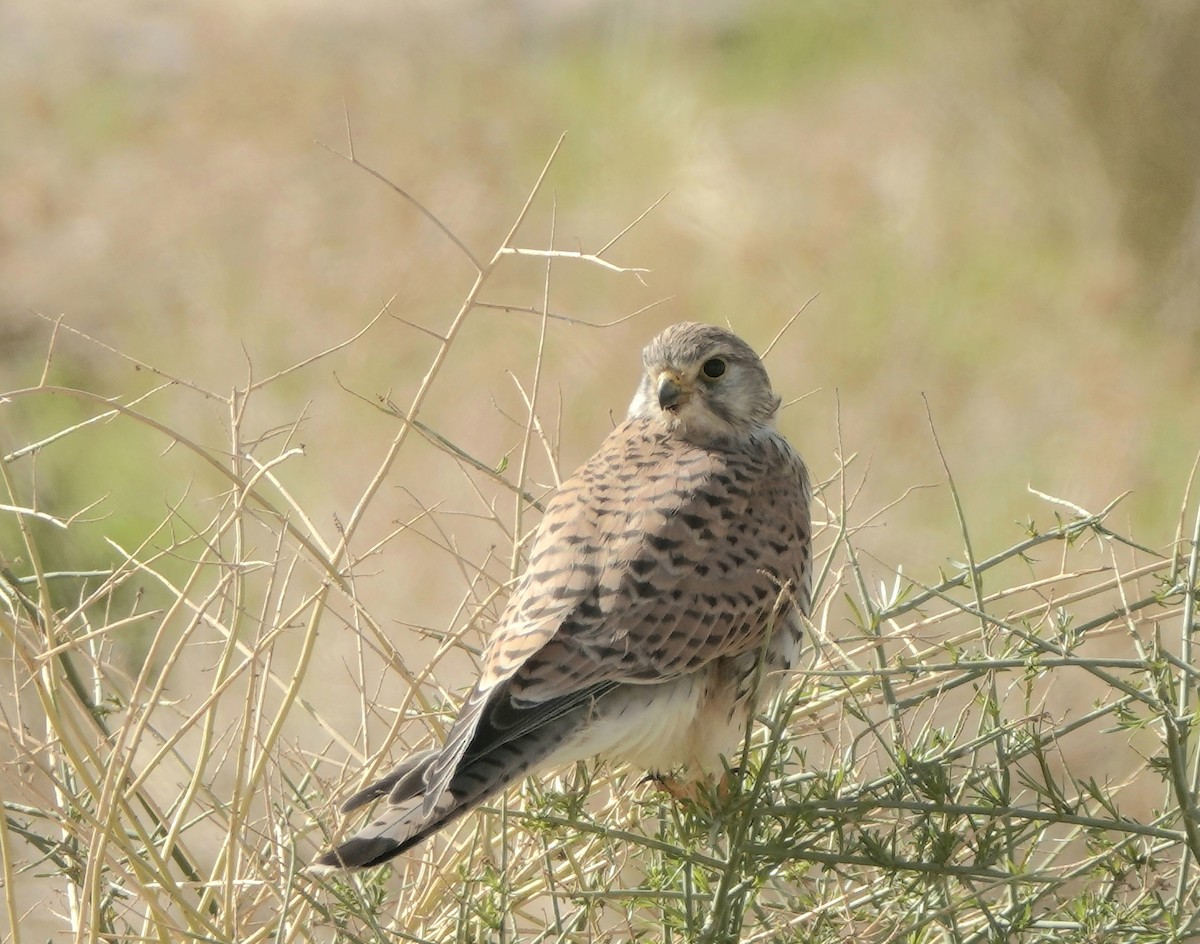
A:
(705, 383)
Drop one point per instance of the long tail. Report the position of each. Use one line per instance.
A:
(505, 742)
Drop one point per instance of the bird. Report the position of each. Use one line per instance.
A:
(665, 592)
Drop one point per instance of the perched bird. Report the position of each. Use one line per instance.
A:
(664, 570)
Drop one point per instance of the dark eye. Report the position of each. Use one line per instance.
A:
(713, 368)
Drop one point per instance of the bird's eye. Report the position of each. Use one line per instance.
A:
(713, 368)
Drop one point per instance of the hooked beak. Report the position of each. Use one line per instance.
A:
(672, 392)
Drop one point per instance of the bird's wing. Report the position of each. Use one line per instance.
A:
(655, 559)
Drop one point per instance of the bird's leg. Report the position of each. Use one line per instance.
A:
(701, 790)
(675, 787)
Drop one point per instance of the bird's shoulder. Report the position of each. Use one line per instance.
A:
(647, 533)
(638, 456)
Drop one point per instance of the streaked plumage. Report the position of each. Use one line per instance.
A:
(660, 570)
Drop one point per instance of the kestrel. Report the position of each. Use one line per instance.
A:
(664, 570)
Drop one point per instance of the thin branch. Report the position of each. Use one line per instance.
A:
(646, 212)
(790, 322)
(138, 364)
(396, 188)
(535, 310)
(571, 254)
(258, 385)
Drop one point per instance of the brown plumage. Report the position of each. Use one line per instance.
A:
(660, 571)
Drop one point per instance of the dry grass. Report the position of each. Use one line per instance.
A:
(969, 761)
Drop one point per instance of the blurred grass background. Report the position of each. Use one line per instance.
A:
(995, 204)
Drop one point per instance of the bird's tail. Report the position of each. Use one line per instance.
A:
(402, 825)
(410, 816)
(495, 741)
